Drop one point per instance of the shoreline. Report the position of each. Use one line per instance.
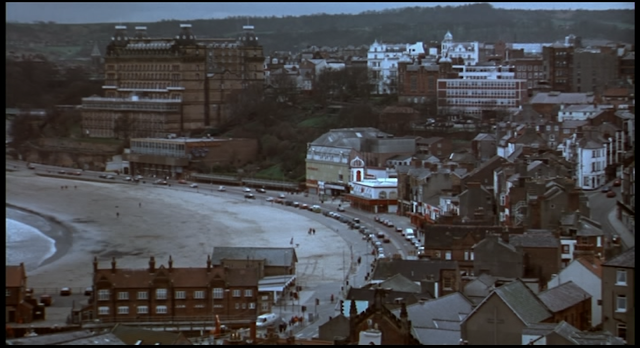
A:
(59, 232)
(132, 223)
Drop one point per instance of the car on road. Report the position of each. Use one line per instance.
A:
(62, 171)
(249, 196)
(605, 189)
(261, 190)
(380, 250)
(303, 206)
(31, 166)
(376, 219)
(356, 220)
(110, 177)
(222, 188)
(288, 202)
(182, 181)
(386, 239)
(295, 204)
(399, 229)
(194, 185)
(279, 201)
(127, 178)
(282, 195)
(389, 224)
(102, 176)
(65, 291)
(270, 199)
(77, 173)
(160, 182)
(246, 189)
(378, 244)
(138, 177)
(381, 256)
(341, 209)
(88, 291)
(617, 182)
(380, 234)
(611, 194)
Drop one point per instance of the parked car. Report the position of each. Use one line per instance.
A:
(88, 291)
(270, 199)
(194, 185)
(261, 190)
(399, 229)
(222, 188)
(279, 201)
(110, 177)
(617, 182)
(356, 220)
(246, 189)
(249, 196)
(127, 178)
(65, 291)
(380, 234)
(159, 182)
(303, 206)
(182, 182)
(611, 194)
(61, 171)
(102, 176)
(386, 239)
(295, 204)
(31, 166)
(605, 189)
(341, 209)
(77, 173)
(282, 195)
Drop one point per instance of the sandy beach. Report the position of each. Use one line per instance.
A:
(185, 225)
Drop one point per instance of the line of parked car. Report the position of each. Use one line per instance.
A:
(408, 233)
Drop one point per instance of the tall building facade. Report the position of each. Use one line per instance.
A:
(170, 85)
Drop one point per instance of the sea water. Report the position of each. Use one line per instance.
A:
(27, 244)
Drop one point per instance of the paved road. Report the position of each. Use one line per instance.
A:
(601, 206)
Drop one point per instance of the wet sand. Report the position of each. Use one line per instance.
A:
(185, 225)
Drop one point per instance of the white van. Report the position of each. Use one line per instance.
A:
(267, 319)
(408, 234)
(407, 230)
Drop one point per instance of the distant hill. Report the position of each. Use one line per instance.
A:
(479, 22)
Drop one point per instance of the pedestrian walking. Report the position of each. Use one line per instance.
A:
(75, 187)
(314, 231)
(331, 298)
(117, 215)
(291, 242)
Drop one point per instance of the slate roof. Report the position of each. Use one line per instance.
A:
(130, 335)
(438, 321)
(479, 288)
(368, 294)
(563, 296)
(625, 260)
(439, 236)
(562, 98)
(68, 338)
(586, 338)
(399, 282)
(522, 301)
(573, 124)
(588, 227)
(428, 141)
(535, 240)
(416, 270)
(484, 137)
(272, 256)
(348, 137)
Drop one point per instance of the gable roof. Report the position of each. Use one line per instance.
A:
(522, 301)
(530, 239)
(140, 278)
(438, 321)
(563, 296)
(14, 275)
(399, 282)
(625, 260)
(272, 256)
(414, 270)
(351, 138)
(561, 98)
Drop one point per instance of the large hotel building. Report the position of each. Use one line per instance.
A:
(171, 85)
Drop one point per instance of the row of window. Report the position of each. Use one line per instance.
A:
(481, 92)
(151, 85)
(481, 102)
(524, 75)
(129, 106)
(597, 166)
(161, 294)
(437, 254)
(144, 67)
(529, 68)
(482, 83)
(104, 310)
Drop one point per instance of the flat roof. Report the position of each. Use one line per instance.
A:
(180, 140)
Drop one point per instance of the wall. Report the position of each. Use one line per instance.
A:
(610, 318)
(480, 328)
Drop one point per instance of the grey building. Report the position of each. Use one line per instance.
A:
(618, 296)
(594, 69)
(497, 258)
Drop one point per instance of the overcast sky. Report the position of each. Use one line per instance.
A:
(102, 12)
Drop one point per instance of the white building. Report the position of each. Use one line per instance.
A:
(581, 112)
(590, 154)
(382, 62)
(470, 97)
(468, 51)
(587, 276)
(485, 72)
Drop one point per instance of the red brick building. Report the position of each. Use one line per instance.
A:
(169, 293)
(570, 303)
(417, 81)
(19, 305)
